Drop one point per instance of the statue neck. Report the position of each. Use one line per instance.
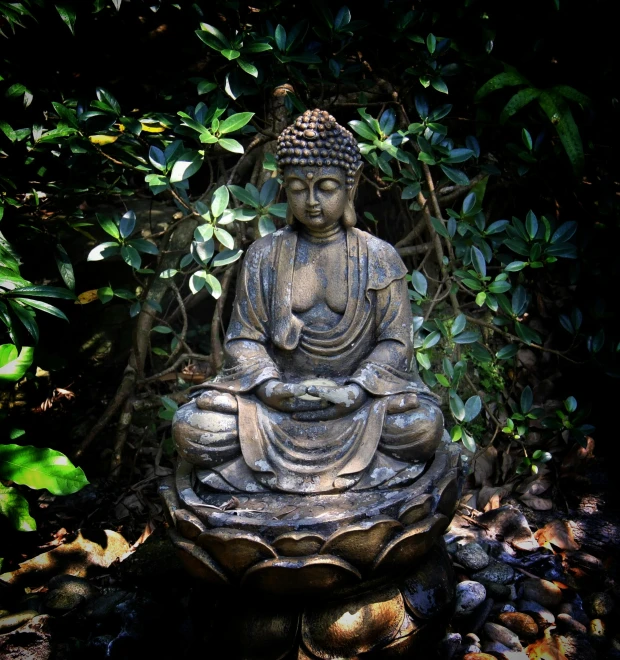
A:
(327, 235)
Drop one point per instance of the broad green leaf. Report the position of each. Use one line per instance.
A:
(65, 267)
(472, 408)
(103, 251)
(250, 69)
(280, 35)
(570, 404)
(440, 228)
(468, 442)
(572, 94)
(14, 506)
(44, 307)
(40, 468)
(266, 225)
(107, 99)
(362, 128)
(212, 284)
(13, 366)
(105, 294)
(561, 117)
(220, 201)
(204, 87)
(230, 53)
(168, 273)
(431, 339)
(108, 225)
(202, 252)
(515, 266)
(457, 407)
(507, 352)
(130, 256)
(245, 196)
(456, 433)
(224, 238)
(213, 31)
(142, 245)
(226, 257)
(157, 158)
(203, 233)
(527, 398)
(197, 281)
(518, 101)
(455, 175)
(42, 291)
(459, 324)
(189, 163)
(564, 232)
(478, 261)
(231, 145)
(531, 224)
(431, 43)
(439, 84)
(68, 16)
(501, 80)
(162, 329)
(26, 317)
(468, 337)
(127, 224)
(419, 282)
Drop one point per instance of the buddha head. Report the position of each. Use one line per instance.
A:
(320, 163)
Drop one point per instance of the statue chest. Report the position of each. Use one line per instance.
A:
(320, 280)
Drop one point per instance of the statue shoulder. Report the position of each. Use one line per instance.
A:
(384, 262)
(263, 248)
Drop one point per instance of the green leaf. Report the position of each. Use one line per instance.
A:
(230, 54)
(213, 286)
(455, 175)
(531, 224)
(518, 101)
(226, 257)
(127, 224)
(468, 337)
(231, 145)
(501, 80)
(130, 256)
(527, 139)
(220, 201)
(245, 196)
(204, 87)
(68, 16)
(280, 35)
(13, 366)
(162, 329)
(250, 69)
(564, 232)
(456, 433)
(561, 117)
(572, 94)
(507, 352)
(157, 158)
(224, 238)
(235, 122)
(442, 380)
(480, 298)
(515, 266)
(439, 84)
(108, 225)
(478, 261)
(499, 287)
(419, 282)
(362, 128)
(570, 404)
(65, 268)
(257, 47)
(107, 99)
(431, 339)
(202, 252)
(472, 408)
(40, 468)
(214, 32)
(15, 507)
(457, 407)
(44, 307)
(105, 294)
(468, 442)
(42, 291)
(527, 398)
(189, 163)
(197, 281)
(459, 324)
(103, 251)
(440, 228)
(142, 245)
(431, 43)
(168, 273)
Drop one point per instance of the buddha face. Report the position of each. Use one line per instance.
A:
(317, 196)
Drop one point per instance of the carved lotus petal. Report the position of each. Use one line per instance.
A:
(360, 543)
(409, 546)
(431, 589)
(298, 544)
(235, 550)
(188, 524)
(416, 510)
(347, 628)
(309, 575)
(448, 489)
(197, 562)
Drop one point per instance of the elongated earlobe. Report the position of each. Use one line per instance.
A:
(290, 218)
(349, 219)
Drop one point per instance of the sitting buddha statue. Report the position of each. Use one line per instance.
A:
(319, 392)
(315, 478)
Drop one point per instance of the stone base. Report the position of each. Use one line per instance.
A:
(392, 618)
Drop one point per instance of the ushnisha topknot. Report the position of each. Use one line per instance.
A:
(316, 139)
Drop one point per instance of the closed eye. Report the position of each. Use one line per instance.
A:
(328, 185)
(296, 185)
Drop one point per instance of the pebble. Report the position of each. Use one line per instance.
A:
(498, 591)
(469, 595)
(506, 607)
(472, 638)
(67, 592)
(12, 621)
(575, 610)
(479, 656)
(543, 617)
(597, 630)
(520, 623)
(473, 557)
(566, 622)
(495, 573)
(503, 635)
(494, 647)
(448, 645)
(472, 648)
(600, 605)
(542, 591)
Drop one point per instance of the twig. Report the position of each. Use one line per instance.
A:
(509, 335)
(181, 337)
(217, 349)
(414, 249)
(173, 367)
(122, 429)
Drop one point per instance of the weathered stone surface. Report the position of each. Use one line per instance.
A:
(469, 594)
(541, 591)
(473, 557)
(503, 635)
(496, 572)
(566, 622)
(12, 621)
(32, 641)
(495, 647)
(520, 623)
(540, 614)
(511, 525)
(66, 592)
(600, 605)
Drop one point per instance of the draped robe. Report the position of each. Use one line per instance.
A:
(265, 340)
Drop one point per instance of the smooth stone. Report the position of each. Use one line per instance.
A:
(66, 593)
(597, 630)
(449, 645)
(498, 591)
(105, 605)
(566, 622)
(503, 635)
(494, 647)
(507, 608)
(495, 573)
(472, 648)
(473, 639)
(543, 617)
(600, 605)
(12, 621)
(520, 623)
(473, 557)
(479, 656)
(541, 591)
(469, 595)
(576, 611)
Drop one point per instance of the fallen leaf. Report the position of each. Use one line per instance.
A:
(490, 497)
(103, 139)
(577, 457)
(537, 503)
(550, 647)
(87, 297)
(557, 533)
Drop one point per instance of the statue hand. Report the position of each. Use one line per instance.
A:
(284, 396)
(217, 401)
(344, 400)
(399, 403)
